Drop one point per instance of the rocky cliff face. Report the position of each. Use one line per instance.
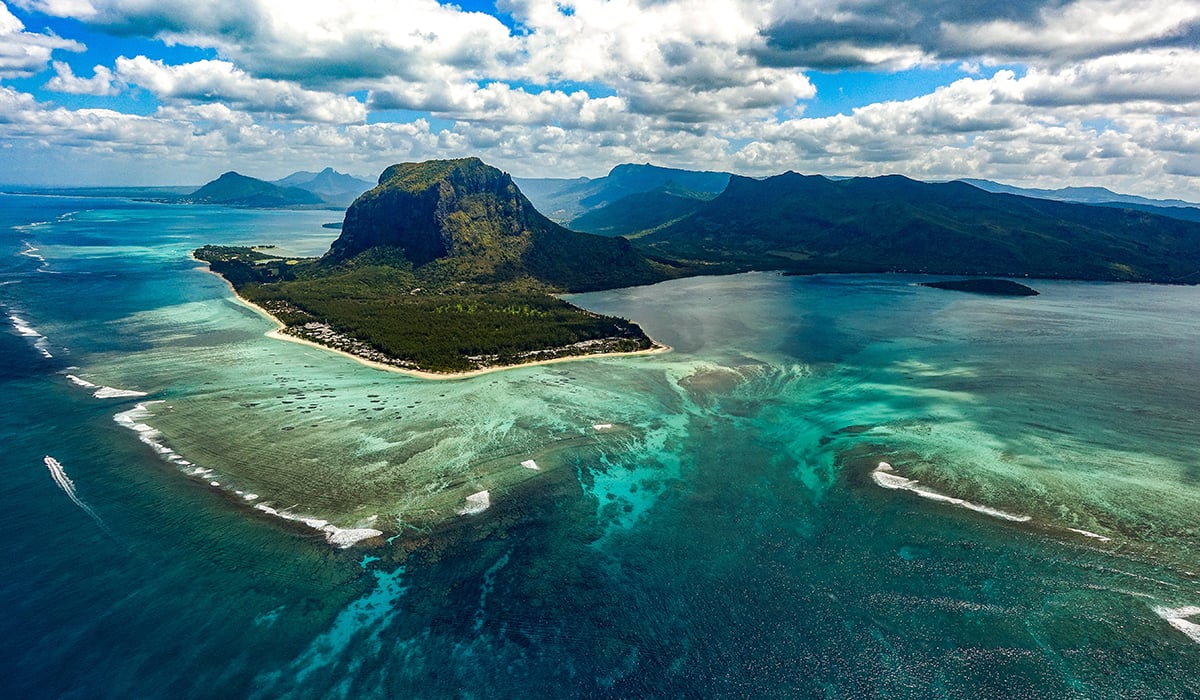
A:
(471, 219)
(437, 209)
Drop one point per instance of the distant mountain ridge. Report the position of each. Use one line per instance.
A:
(639, 212)
(330, 185)
(563, 201)
(809, 223)
(301, 188)
(1099, 196)
(235, 189)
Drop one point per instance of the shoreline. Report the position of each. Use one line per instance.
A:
(278, 334)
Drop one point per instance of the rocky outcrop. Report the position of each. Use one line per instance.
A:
(472, 219)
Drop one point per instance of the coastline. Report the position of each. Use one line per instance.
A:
(656, 348)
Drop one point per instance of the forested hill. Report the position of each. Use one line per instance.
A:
(814, 224)
(236, 189)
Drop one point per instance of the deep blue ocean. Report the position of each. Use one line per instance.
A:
(832, 486)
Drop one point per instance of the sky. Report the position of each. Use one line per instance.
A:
(1039, 93)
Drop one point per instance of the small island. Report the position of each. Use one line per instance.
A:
(985, 285)
(444, 269)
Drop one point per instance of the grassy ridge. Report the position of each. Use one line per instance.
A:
(893, 224)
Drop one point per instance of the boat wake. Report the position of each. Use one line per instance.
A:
(68, 487)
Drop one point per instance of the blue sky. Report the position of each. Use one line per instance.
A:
(1040, 93)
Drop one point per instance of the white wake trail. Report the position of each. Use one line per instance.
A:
(68, 487)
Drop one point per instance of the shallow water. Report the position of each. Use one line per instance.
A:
(720, 534)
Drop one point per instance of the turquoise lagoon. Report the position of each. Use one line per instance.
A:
(709, 522)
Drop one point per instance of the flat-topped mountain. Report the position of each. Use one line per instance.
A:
(894, 224)
(472, 222)
(239, 190)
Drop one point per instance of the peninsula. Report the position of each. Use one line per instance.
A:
(445, 267)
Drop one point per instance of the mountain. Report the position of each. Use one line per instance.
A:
(445, 266)
(569, 199)
(635, 213)
(329, 185)
(1099, 196)
(814, 224)
(471, 221)
(543, 191)
(236, 189)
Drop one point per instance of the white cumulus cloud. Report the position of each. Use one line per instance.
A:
(23, 53)
(101, 83)
(1093, 91)
(222, 81)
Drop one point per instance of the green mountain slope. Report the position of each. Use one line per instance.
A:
(638, 212)
(573, 198)
(239, 190)
(813, 224)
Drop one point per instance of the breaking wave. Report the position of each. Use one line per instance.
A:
(134, 418)
(1178, 618)
(104, 392)
(886, 477)
(24, 329)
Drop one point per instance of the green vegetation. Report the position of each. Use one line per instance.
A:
(643, 211)
(445, 266)
(376, 306)
(238, 190)
(808, 224)
(471, 222)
